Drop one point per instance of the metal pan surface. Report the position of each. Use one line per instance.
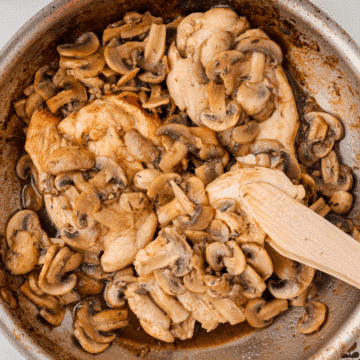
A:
(321, 59)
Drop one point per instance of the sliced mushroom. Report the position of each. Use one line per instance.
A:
(335, 177)
(226, 67)
(336, 129)
(118, 56)
(95, 324)
(194, 189)
(173, 156)
(219, 231)
(223, 121)
(23, 254)
(308, 294)
(259, 259)
(200, 220)
(215, 254)
(306, 154)
(318, 129)
(252, 283)
(290, 288)
(135, 28)
(312, 318)
(157, 98)
(33, 102)
(290, 166)
(217, 43)
(74, 91)
(84, 67)
(320, 207)
(323, 148)
(171, 284)
(58, 287)
(20, 109)
(69, 159)
(114, 295)
(260, 313)
(8, 298)
(26, 220)
(257, 44)
(169, 249)
(139, 147)
(207, 173)
(245, 133)
(50, 307)
(181, 133)
(43, 84)
(236, 263)
(84, 45)
(341, 202)
(194, 282)
(155, 45)
(254, 97)
(144, 178)
(87, 285)
(160, 189)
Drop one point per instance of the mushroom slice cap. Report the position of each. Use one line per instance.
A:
(117, 56)
(288, 289)
(245, 133)
(139, 147)
(291, 166)
(69, 159)
(194, 189)
(262, 45)
(160, 189)
(259, 259)
(260, 313)
(219, 231)
(23, 255)
(87, 67)
(84, 45)
(230, 118)
(118, 174)
(200, 220)
(220, 64)
(181, 133)
(217, 43)
(335, 125)
(215, 253)
(194, 283)
(86, 343)
(312, 318)
(172, 285)
(144, 178)
(24, 167)
(25, 220)
(341, 202)
(236, 263)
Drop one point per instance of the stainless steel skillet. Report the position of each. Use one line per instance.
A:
(322, 59)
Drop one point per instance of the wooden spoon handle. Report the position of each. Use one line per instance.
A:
(302, 235)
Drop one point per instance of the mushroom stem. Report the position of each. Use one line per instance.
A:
(217, 102)
(185, 203)
(155, 46)
(257, 67)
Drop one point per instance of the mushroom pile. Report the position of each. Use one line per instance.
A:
(137, 145)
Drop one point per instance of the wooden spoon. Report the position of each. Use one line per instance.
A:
(302, 235)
